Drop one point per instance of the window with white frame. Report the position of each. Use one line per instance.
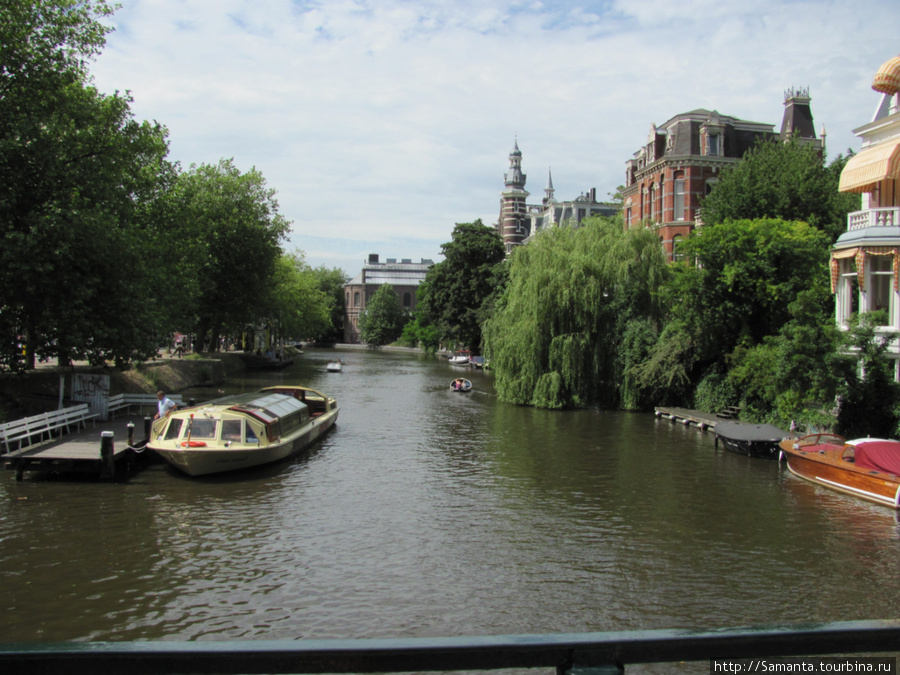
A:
(713, 146)
(679, 199)
(881, 286)
(847, 292)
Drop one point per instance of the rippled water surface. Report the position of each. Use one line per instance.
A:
(432, 513)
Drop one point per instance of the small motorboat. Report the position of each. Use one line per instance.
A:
(867, 467)
(334, 366)
(460, 358)
(752, 440)
(243, 431)
(461, 384)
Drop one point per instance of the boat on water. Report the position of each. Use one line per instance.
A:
(243, 431)
(752, 440)
(461, 384)
(334, 366)
(867, 467)
(460, 358)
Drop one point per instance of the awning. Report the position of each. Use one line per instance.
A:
(870, 166)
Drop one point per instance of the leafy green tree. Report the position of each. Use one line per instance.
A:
(233, 232)
(786, 181)
(383, 318)
(331, 283)
(554, 340)
(455, 288)
(80, 177)
(299, 307)
(419, 333)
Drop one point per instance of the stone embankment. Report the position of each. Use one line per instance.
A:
(36, 391)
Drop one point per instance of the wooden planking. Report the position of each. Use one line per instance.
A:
(688, 417)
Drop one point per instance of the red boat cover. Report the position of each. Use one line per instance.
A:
(879, 456)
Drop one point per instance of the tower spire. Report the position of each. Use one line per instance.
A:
(514, 224)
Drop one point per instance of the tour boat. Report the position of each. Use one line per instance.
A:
(461, 384)
(867, 467)
(242, 431)
(752, 440)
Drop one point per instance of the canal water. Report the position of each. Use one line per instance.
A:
(428, 512)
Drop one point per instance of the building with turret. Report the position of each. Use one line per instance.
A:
(681, 161)
(520, 220)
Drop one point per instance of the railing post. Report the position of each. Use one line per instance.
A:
(148, 422)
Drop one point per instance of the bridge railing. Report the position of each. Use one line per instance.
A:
(566, 653)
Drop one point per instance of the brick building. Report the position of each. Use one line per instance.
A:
(682, 160)
(403, 276)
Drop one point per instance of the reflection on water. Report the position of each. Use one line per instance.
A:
(428, 512)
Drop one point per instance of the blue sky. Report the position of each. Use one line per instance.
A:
(382, 123)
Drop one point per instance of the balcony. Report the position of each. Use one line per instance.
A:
(886, 217)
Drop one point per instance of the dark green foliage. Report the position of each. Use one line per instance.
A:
(419, 333)
(456, 288)
(786, 181)
(383, 319)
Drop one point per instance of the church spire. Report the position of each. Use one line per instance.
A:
(549, 191)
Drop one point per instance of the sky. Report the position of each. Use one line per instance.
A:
(381, 124)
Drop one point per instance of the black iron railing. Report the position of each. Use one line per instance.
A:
(566, 653)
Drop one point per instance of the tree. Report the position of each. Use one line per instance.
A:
(298, 305)
(786, 181)
(233, 232)
(331, 283)
(455, 289)
(80, 177)
(554, 340)
(382, 321)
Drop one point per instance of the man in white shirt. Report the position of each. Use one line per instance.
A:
(164, 404)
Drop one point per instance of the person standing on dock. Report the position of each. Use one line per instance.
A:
(164, 404)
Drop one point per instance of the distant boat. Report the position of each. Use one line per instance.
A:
(461, 384)
(334, 366)
(243, 431)
(461, 358)
(753, 440)
(868, 468)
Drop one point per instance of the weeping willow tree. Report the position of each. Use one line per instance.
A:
(556, 338)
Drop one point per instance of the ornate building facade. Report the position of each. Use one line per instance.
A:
(682, 159)
(520, 220)
(403, 276)
(865, 260)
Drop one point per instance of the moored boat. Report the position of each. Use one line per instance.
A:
(242, 431)
(752, 440)
(460, 358)
(867, 467)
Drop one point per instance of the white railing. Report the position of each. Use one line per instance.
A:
(873, 218)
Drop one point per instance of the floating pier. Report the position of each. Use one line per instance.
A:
(696, 418)
(109, 452)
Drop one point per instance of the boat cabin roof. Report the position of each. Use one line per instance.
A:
(264, 406)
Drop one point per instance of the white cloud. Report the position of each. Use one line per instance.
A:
(382, 123)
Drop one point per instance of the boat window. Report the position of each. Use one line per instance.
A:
(231, 431)
(251, 436)
(203, 428)
(173, 431)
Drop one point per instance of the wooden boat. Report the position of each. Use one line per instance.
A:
(867, 467)
(334, 366)
(752, 440)
(461, 385)
(242, 431)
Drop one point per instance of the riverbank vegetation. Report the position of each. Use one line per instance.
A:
(109, 247)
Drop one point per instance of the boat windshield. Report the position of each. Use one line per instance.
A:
(203, 428)
(173, 431)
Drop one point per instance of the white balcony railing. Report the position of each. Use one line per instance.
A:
(873, 218)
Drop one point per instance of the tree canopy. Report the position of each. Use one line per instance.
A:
(787, 181)
(382, 320)
(554, 339)
(455, 288)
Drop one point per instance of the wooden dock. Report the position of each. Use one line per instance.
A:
(107, 450)
(696, 418)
